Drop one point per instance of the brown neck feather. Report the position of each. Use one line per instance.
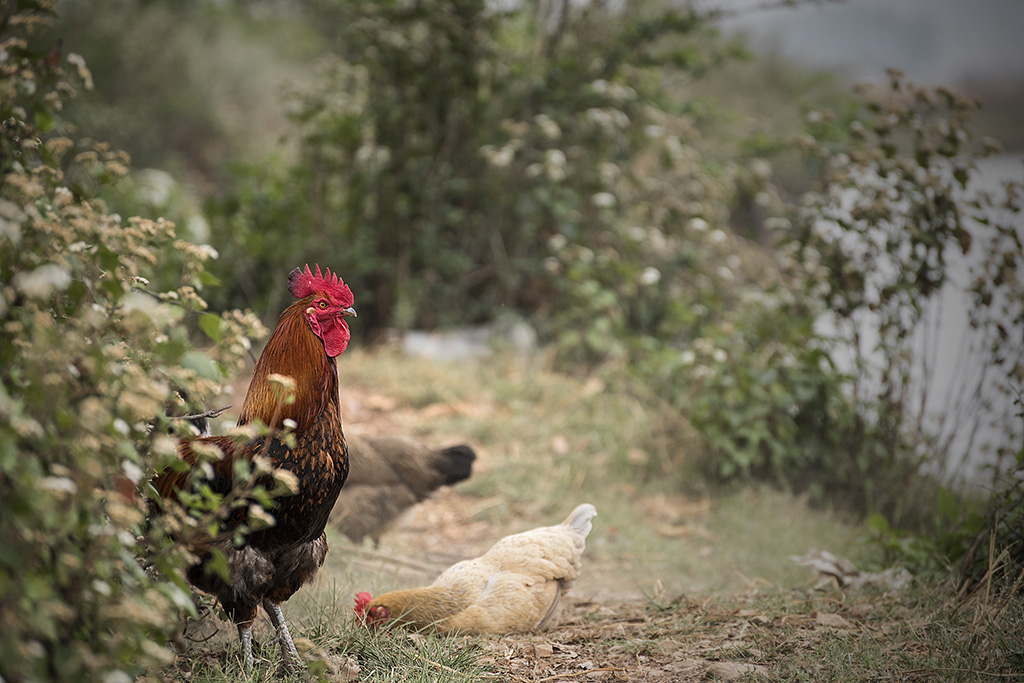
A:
(293, 350)
(421, 607)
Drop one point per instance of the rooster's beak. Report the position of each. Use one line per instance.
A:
(349, 311)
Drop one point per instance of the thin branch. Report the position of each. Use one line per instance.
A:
(157, 296)
(214, 412)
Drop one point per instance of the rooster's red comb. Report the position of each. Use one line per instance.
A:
(302, 283)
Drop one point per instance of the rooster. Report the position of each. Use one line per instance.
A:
(274, 562)
(389, 475)
(516, 586)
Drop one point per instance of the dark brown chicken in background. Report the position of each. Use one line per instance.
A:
(388, 476)
(275, 562)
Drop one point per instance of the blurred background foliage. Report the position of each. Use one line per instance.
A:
(747, 248)
(657, 203)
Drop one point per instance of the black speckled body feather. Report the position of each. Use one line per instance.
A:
(275, 562)
(320, 462)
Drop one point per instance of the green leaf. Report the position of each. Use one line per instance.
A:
(201, 364)
(109, 259)
(878, 523)
(208, 278)
(210, 324)
(180, 597)
(172, 350)
(44, 121)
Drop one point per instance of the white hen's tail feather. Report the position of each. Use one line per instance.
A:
(579, 519)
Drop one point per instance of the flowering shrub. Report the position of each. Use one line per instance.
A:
(95, 354)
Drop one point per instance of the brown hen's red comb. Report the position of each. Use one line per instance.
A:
(362, 600)
(302, 283)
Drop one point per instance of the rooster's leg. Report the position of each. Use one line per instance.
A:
(245, 640)
(288, 652)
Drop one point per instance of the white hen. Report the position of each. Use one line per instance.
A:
(515, 586)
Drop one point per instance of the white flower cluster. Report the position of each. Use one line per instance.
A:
(547, 126)
(500, 157)
(613, 91)
(43, 281)
(373, 156)
(76, 60)
(609, 120)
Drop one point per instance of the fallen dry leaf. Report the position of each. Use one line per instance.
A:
(543, 650)
(566, 651)
(832, 620)
(437, 410)
(729, 671)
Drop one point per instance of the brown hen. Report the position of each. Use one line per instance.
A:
(389, 475)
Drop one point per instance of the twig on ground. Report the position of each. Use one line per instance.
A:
(579, 673)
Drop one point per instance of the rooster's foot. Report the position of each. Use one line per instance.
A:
(245, 640)
(289, 655)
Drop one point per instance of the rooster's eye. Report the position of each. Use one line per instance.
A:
(323, 304)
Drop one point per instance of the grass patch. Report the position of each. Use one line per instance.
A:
(926, 634)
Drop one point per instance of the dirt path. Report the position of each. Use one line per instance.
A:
(621, 642)
(675, 638)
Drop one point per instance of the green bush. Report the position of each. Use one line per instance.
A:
(452, 153)
(94, 346)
